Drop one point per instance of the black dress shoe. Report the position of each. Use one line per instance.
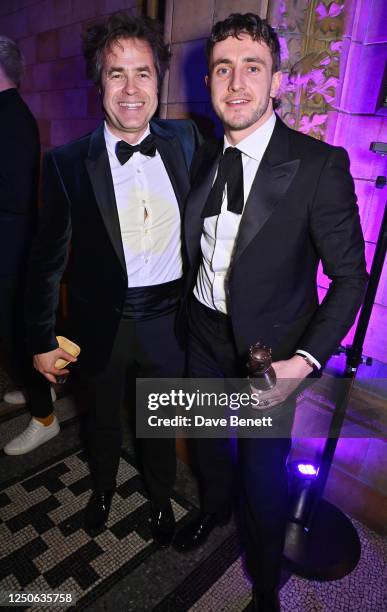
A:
(97, 511)
(266, 602)
(196, 532)
(162, 524)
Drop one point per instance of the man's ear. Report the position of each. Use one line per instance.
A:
(207, 81)
(275, 84)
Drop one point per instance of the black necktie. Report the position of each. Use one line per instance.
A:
(124, 151)
(230, 173)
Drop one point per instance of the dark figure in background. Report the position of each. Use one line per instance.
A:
(116, 197)
(253, 259)
(19, 176)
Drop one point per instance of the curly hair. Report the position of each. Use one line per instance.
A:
(101, 37)
(11, 60)
(249, 23)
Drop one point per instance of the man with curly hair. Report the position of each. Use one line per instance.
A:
(112, 205)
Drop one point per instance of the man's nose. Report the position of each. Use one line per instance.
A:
(130, 85)
(236, 82)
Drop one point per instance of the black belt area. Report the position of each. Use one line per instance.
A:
(142, 303)
(221, 321)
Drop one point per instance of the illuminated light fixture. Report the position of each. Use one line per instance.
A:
(302, 475)
(307, 469)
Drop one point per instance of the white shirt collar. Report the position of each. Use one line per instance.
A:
(256, 143)
(111, 140)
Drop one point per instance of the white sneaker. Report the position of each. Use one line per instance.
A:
(33, 436)
(17, 397)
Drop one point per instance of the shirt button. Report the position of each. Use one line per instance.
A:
(138, 171)
(143, 201)
(146, 261)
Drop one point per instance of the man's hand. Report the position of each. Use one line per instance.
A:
(289, 374)
(45, 363)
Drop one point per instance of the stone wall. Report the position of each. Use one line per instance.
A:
(55, 87)
(356, 119)
(333, 56)
(187, 25)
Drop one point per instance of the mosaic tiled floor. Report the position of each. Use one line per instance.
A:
(44, 548)
(220, 584)
(363, 590)
(43, 545)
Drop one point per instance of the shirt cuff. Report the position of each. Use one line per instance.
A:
(313, 360)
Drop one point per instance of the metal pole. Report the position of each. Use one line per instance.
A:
(354, 358)
(325, 545)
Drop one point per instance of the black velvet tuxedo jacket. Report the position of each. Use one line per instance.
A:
(79, 226)
(301, 208)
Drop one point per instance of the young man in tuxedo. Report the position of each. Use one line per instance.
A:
(19, 177)
(112, 204)
(266, 205)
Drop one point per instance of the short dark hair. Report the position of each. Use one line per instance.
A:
(11, 60)
(101, 37)
(249, 23)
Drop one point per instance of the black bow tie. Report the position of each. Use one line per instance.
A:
(230, 172)
(124, 151)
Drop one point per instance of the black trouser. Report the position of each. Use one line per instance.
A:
(144, 349)
(260, 462)
(17, 362)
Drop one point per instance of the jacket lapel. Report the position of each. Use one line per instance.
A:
(273, 178)
(201, 187)
(98, 168)
(171, 153)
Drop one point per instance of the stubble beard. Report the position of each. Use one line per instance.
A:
(244, 123)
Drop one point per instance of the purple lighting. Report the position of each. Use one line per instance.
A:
(307, 469)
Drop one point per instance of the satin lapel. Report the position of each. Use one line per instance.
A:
(270, 184)
(98, 168)
(173, 158)
(193, 223)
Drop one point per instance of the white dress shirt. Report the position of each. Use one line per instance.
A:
(149, 216)
(220, 231)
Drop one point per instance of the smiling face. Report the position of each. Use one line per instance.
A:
(129, 88)
(242, 85)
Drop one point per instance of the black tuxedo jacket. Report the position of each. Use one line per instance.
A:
(19, 177)
(301, 208)
(79, 226)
